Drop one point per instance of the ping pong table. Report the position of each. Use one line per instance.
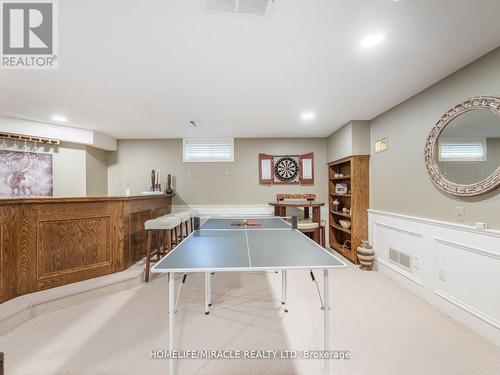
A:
(220, 246)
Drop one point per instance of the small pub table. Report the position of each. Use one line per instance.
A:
(281, 205)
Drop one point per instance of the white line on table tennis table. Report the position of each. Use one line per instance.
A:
(248, 249)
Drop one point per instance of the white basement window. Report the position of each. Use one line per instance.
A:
(462, 149)
(207, 150)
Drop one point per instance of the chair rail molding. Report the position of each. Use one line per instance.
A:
(445, 224)
(454, 267)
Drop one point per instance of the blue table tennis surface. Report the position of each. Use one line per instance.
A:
(221, 246)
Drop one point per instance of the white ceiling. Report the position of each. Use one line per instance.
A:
(143, 69)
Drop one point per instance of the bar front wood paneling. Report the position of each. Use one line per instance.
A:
(50, 242)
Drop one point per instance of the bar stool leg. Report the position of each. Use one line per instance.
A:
(176, 241)
(148, 256)
(170, 239)
(323, 239)
(158, 245)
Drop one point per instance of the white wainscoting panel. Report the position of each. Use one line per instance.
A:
(454, 267)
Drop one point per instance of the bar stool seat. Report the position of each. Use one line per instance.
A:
(162, 222)
(185, 218)
(156, 226)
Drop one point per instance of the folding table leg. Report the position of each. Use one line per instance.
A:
(207, 281)
(326, 313)
(283, 290)
(209, 289)
(171, 317)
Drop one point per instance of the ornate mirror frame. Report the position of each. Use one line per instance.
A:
(489, 103)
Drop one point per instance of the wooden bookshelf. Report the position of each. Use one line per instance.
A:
(355, 170)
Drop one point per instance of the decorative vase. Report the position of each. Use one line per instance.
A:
(169, 189)
(366, 255)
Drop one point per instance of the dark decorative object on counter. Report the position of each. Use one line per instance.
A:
(153, 180)
(169, 189)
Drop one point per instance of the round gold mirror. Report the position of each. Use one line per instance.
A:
(462, 152)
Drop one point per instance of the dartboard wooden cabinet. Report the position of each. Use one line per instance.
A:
(286, 169)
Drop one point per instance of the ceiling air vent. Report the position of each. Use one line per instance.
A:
(252, 7)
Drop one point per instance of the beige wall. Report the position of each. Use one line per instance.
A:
(96, 172)
(360, 137)
(339, 144)
(351, 139)
(399, 182)
(69, 170)
(207, 183)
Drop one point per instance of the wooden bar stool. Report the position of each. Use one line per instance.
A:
(185, 218)
(154, 227)
(194, 213)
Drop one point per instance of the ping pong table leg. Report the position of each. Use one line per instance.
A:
(326, 313)
(171, 317)
(207, 287)
(283, 290)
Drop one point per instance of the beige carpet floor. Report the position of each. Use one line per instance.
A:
(387, 329)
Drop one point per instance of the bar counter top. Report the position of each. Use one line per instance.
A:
(100, 198)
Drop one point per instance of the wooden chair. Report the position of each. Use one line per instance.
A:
(306, 226)
(158, 245)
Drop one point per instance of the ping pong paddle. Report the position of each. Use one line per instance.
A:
(246, 222)
(253, 222)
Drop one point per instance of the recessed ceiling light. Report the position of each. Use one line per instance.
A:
(59, 118)
(194, 124)
(372, 40)
(308, 116)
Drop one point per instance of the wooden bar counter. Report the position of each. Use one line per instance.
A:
(48, 242)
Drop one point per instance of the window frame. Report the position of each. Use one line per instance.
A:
(482, 141)
(185, 141)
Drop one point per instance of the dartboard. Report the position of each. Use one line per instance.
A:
(286, 169)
